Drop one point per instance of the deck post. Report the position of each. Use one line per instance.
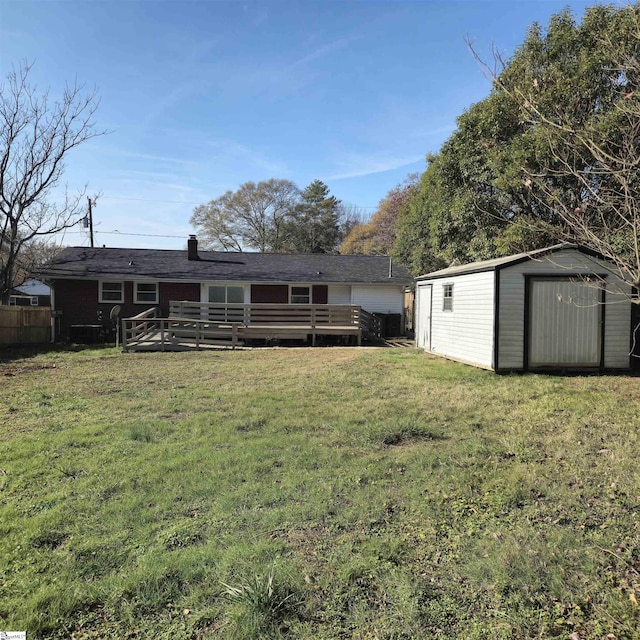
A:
(161, 334)
(124, 335)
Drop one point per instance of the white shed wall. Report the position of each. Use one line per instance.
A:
(562, 264)
(466, 332)
(422, 315)
(378, 298)
(339, 294)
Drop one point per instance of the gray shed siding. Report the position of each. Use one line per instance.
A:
(561, 264)
(466, 332)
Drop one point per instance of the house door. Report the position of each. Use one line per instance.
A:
(423, 324)
(565, 322)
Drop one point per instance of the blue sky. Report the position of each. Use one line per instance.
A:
(201, 96)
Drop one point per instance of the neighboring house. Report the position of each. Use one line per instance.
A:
(31, 293)
(557, 308)
(88, 282)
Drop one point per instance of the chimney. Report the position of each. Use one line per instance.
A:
(192, 248)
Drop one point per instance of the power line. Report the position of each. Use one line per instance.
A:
(357, 206)
(125, 233)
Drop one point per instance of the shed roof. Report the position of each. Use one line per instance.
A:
(173, 265)
(498, 263)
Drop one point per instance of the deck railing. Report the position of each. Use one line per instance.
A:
(196, 324)
(311, 315)
(139, 327)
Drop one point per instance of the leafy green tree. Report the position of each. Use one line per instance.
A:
(550, 154)
(314, 225)
(579, 93)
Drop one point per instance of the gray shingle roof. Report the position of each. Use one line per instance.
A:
(169, 265)
(497, 263)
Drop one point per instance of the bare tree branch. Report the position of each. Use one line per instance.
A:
(36, 135)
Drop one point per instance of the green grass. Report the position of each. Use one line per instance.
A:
(314, 493)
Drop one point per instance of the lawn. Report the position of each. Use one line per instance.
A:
(314, 493)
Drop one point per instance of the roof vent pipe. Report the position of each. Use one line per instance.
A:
(192, 248)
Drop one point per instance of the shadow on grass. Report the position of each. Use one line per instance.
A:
(10, 353)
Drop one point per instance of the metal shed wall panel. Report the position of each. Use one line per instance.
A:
(565, 324)
(466, 332)
(562, 264)
(378, 298)
(617, 330)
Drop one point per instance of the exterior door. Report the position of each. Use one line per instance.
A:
(423, 325)
(565, 319)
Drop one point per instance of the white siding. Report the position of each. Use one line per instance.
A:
(466, 332)
(562, 264)
(339, 294)
(378, 298)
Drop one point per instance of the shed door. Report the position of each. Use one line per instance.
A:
(564, 323)
(423, 325)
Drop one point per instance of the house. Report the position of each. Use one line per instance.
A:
(31, 293)
(562, 307)
(88, 283)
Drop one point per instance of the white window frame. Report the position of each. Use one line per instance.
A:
(136, 299)
(300, 286)
(13, 301)
(447, 297)
(101, 284)
(226, 286)
(34, 301)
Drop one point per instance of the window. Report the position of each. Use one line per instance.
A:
(221, 294)
(447, 297)
(13, 301)
(111, 291)
(145, 292)
(299, 295)
(34, 301)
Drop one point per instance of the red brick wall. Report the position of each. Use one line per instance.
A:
(270, 293)
(320, 294)
(176, 291)
(279, 293)
(78, 302)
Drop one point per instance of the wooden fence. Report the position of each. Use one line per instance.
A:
(25, 325)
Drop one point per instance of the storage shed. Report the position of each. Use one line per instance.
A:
(562, 307)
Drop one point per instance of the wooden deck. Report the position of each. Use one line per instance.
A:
(194, 325)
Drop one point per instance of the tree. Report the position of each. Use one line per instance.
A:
(549, 155)
(378, 235)
(32, 256)
(36, 136)
(254, 216)
(586, 185)
(314, 226)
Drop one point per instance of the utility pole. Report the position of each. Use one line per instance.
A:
(90, 221)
